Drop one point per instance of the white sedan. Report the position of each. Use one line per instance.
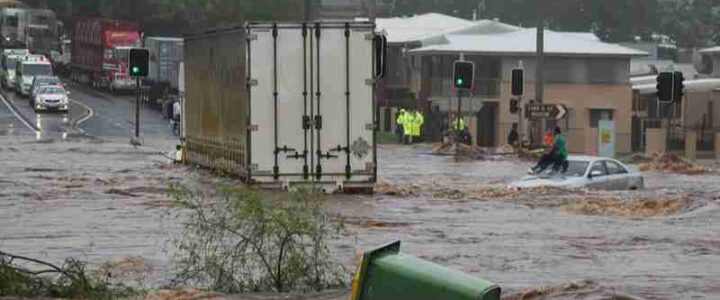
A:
(51, 97)
(586, 172)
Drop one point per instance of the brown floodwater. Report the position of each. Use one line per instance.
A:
(107, 202)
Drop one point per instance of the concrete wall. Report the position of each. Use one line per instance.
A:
(696, 107)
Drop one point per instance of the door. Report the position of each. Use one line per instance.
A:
(617, 176)
(311, 99)
(599, 181)
(487, 125)
(343, 101)
(277, 102)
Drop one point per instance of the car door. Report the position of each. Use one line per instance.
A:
(599, 181)
(617, 176)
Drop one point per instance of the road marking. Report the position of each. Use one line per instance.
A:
(18, 115)
(90, 112)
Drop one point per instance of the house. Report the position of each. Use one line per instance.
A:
(403, 34)
(698, 111)
(590, 77)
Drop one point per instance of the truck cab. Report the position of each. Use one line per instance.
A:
(8, 62)
(115, 69)
(27, 69)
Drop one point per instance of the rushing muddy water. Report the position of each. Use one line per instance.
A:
(107, 202)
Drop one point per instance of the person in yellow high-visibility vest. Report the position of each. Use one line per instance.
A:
(408, 121)
(460, 129)
(417, 125)
(400, 117)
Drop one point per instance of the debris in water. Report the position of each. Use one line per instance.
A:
(542, 292)
(126, 268)
(670, 162)
(459, 149)
(364, 223)
(179, 294)
(120, 192)
(641, 207)
(387, 188)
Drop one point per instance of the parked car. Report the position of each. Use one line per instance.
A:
(39, 81)
(51, 98)
(587, 172)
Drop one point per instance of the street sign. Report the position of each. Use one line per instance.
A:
(545, 111)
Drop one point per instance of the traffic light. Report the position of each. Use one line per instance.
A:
(518, 82)
(514, 105)
(463, 74)
(678, 86)
(139, 62)
(665, 86)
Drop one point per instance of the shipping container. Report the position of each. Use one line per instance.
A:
(166, 54)
(281, 104)
(100, 52)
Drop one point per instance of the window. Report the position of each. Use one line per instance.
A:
(614, 168)
(599, 114)
(599, 166)
(11, 21)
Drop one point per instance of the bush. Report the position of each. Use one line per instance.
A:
(71, 280)
(235, 241)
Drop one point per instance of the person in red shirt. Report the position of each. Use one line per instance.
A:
(548, 156)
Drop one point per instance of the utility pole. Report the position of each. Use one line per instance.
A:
(540, 68)
(540, 63)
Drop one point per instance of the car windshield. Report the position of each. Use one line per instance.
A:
(12, 63)
(47, 81)
(575, 168)
(52, 90)
(37, 70)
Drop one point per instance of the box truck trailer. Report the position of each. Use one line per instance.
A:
(281, 104)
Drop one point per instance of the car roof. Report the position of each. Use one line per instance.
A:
(30, 62)
(46, 77)
(588, 158)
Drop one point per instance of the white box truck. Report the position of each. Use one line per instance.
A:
(306, 111)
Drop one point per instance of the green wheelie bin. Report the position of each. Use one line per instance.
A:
(384, 274)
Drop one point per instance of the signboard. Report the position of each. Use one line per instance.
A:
(606, 138)
(545, 111)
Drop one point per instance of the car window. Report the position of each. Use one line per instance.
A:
(614, 168)
(52, 90)
(575, 168)
(599, 166)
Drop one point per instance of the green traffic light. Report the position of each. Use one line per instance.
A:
(459, 81)
(135, 70)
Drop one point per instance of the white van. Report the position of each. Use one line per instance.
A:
(27, 69)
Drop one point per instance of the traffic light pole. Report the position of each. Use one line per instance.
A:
(456, 122)
(137, 110)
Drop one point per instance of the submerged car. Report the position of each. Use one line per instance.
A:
(51, 98)
(586, 172)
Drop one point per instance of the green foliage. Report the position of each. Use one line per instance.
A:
(72, 280)
(236, 241)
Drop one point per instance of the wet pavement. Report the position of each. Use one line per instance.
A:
(95, 197)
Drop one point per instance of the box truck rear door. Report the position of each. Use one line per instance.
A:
(278, 98)
(343, 102)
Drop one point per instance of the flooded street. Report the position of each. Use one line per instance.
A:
(107, 201)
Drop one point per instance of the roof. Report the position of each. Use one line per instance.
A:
(164, 39)
(697, 85)
(522, 42)
(711, 50)
(405, 30)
